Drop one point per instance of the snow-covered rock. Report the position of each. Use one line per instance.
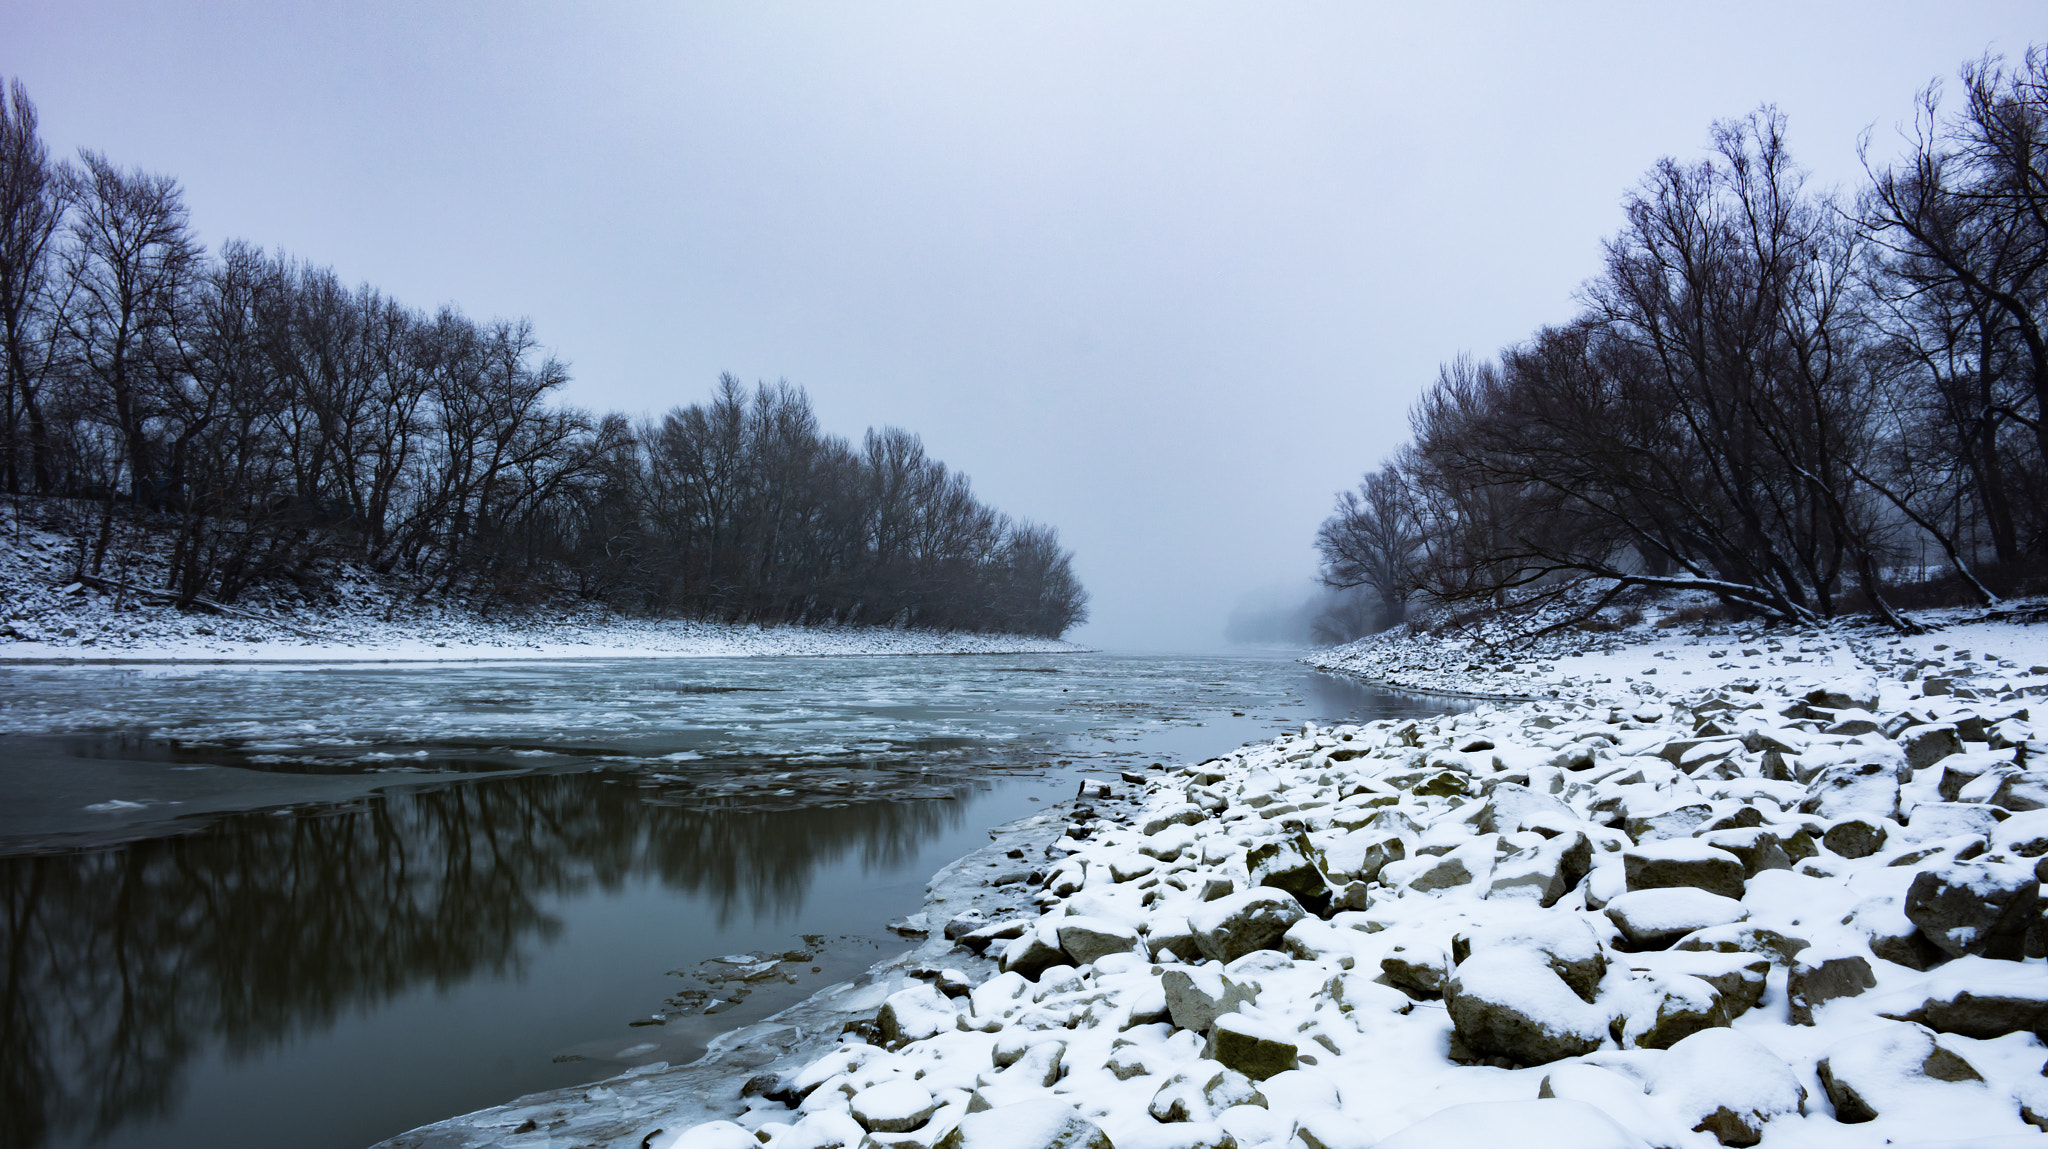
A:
(1688, 909)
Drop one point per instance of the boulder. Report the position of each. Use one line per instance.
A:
(1028, 1058)
(1469, 867)
(960, 925)
(1085, 939)
(1960, 773)
(1727, 1084)
(1566, 944)
(832, 1128)
(897, 1106)
(1354, 896)
(1168, 843)
(1906, 946)
(1285, 866)
(1928, 744)
(1131, 867)
(1170, 933)
(1195, 997)
(980, 939)
(1255, 1050)
(1854, 837)
(1898, 1065)
(1758, 849)
(1811, 984)
(1360, 855)
(1507, 1001)
(709, 1135)
(1419, 971)
(2002, 1009)
(914, 1014)
(1236, 924)
(1741, 818)
(1442, 784)
(1682, 862)
(1854, 790)
(1184, 814)
(2022, 791)
(1512, 807)
(1679, 821)
(1739, 978)
(1659, 1011)
(1981, 908)
(1851, 692)
(1739, 939)
(1546, 1123)
(1035, 952)
(1016, 1044)
(1201, 1090)
(1547, 872)
(1041, 1123)
(1937, 821)
(1653, 919)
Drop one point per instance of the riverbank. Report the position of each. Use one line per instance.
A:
(47, 615)
(1790, 904)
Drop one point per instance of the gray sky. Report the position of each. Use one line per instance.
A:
(1164, 275)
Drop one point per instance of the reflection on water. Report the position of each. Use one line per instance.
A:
(119, 962)
(367, 898)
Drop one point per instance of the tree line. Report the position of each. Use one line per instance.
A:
(260, 418)
(1771, 393)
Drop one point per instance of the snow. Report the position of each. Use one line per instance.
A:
(1721, 763)
(1545, 1124)
(46, 617)
(1672, 912)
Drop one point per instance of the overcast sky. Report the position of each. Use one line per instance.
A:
(1163, 275)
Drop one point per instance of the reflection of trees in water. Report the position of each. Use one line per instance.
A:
(121, 963)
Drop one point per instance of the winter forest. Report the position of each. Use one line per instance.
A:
(1805, 403)
(259, 420)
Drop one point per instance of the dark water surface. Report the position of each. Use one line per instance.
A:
(320, 905)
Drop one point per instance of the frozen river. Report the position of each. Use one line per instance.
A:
(319, 905)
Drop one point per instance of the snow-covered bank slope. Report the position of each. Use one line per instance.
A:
(1645, 659)
(44, 614)
(1798, 914)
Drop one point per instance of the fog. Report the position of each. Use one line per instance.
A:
(1162, 275)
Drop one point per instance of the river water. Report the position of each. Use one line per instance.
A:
(318, 905)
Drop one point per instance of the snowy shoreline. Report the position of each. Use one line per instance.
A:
(47, 615)
(1788, 904)
(524, 644)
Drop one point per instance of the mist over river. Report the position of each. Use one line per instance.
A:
(318, 905)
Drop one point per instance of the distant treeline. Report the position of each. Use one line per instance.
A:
(1771, 394)
(266, 417)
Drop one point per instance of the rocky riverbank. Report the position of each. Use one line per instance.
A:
(1789, 911)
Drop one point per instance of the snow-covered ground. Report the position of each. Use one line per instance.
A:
(1647, 659)
(46, 614)
(1788, 898)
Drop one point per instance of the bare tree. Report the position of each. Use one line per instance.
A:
(32, 207)
(128, 270)
(1965, 220)
(1372, 541)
